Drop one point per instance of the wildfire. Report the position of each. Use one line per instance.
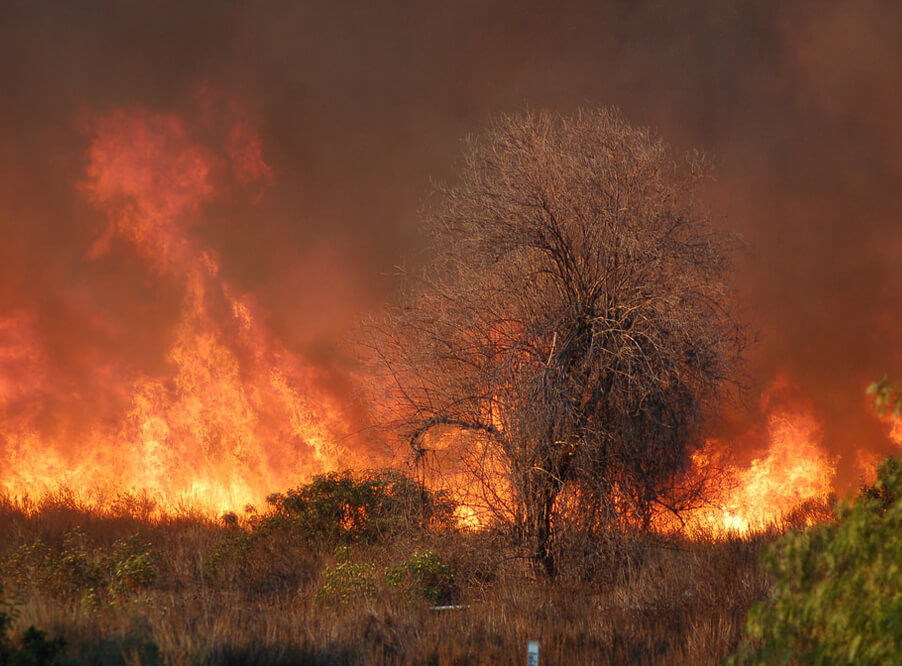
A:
(793, 470)
(235, 416)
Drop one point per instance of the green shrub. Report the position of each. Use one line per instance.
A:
(347, 582)
(77, 570)
(887, 397)
(36, 650)
(339, 508)
(423, 576)
(63, 572)
(133, 565)
(347, 507)
(837, 592)
(235, 548)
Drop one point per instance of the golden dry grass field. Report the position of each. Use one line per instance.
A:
(120, 586)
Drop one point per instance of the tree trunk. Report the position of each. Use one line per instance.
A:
(540, 497)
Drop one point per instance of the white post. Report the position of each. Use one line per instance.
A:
(532, 653)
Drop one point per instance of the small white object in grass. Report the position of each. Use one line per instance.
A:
(532, 653)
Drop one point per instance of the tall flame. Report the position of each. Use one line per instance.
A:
(793, 469)
(236, 415)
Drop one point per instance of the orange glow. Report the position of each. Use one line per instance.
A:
(895, 431)
(236, 415)
(792, 470)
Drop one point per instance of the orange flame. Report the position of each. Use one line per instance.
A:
(237, 415)
(792, 470)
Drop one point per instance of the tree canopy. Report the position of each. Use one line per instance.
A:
(574, 328)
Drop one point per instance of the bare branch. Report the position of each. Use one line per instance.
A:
(575, 328)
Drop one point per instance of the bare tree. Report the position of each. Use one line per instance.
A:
(575, 327)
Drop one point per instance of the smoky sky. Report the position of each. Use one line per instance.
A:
(362, 105)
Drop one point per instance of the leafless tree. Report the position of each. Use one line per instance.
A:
(575, 328)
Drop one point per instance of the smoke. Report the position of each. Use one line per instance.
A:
(358, 105)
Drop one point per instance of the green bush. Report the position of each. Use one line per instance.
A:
(347, 582)
(78, 570)
(339, 508)
(64, 572)
(837, 592)
(234, 548)
(887, 397)
(347, 507)
(36, 650)
(423, 576)
(133, 565)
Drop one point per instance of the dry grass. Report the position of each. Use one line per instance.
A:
(670, 601)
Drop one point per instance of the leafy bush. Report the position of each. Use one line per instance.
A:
(347, 582)
(232, 549)
(423, 576)
(133, 565)
(63, 572)
(78, 570)
(837, 593)
(334, 509)
(268, 559)
(345, 507)
(36, 649)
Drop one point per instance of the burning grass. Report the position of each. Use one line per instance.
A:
(126, 585)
